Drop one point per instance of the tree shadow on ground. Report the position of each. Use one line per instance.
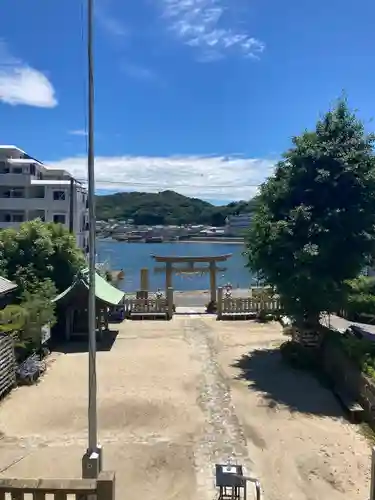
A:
(81, 344)
(299, 390)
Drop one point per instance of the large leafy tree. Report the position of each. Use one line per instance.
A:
(38, 251)
(314, 225)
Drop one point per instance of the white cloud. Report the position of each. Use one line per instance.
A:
(205, 24)
(110, 23)
(22, 84)
(207, 177)
(139, 72)
(79, 132)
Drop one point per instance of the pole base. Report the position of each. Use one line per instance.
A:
(92, 463)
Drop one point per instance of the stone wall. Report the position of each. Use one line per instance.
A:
(343, 373)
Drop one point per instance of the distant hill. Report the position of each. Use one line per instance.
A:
(166, 207)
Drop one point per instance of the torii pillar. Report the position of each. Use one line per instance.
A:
(213, 280)
(168, 275)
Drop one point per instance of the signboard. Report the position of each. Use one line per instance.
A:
(45, 333)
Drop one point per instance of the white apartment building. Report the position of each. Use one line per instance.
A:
(30, 190)
(237, 224)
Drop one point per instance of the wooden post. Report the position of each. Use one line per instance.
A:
(145, 280)
(219, 303)
(372, 485)
(213, 280)
(105, 486)
(170, 302)
(168, 275)
(67, 324)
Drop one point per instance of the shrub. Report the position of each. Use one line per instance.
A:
(359, 305)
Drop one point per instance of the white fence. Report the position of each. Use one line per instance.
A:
(150, 307)
(244, 306)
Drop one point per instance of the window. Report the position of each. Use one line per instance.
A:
(4, 167)
(18, 218)
(13, 193)
(37, 192)
(18, 193)
(8, 218)
(59, 219)
(17, 170)
(58, 195)
(32, 169)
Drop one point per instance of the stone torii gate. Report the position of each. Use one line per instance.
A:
(212, 268)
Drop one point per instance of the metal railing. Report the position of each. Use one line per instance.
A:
(255, 482)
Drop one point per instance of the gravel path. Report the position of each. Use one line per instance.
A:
(223, 440)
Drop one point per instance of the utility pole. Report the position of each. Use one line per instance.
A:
(92, 459)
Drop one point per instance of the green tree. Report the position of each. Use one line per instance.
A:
(37, 303)
(12, 318)
(314, 222)
(38, 251)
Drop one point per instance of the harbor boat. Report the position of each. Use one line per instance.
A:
(154, 239)
(120, 237)
(132, 238)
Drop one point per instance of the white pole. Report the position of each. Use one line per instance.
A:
(91, 199)
(91, 462)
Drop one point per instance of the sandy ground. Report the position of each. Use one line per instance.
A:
(177, 397)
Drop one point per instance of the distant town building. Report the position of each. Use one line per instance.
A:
(237, 224)
(30, 190)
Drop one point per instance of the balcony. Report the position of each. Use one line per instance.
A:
(14, 179)
(23, 203)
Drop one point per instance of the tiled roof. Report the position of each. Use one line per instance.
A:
(6, 286)
(104, 291)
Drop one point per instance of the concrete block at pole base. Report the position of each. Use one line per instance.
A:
(92, 463)
(99, 450)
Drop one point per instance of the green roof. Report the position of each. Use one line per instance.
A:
(104, 291)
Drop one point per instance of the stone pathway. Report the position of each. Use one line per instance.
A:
(223, 439)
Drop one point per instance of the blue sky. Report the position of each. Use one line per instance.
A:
(200, 96)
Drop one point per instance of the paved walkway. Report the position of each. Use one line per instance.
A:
(177, 397)
(342, 324)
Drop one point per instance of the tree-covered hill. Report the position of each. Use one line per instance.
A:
(166, 207)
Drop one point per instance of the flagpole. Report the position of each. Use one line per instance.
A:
(92, 459)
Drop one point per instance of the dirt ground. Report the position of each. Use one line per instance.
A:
(177, 397)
